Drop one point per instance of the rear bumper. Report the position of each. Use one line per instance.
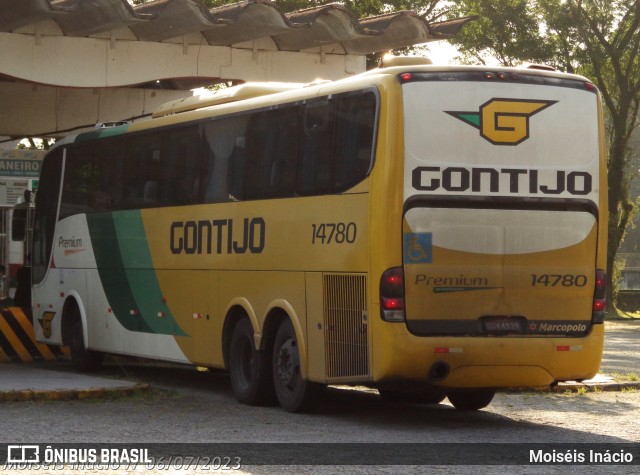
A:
(488, 362)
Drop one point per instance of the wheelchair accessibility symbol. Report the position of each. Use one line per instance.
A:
(417, 248)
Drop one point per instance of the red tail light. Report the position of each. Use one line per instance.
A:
(599, 297)
(392, 295)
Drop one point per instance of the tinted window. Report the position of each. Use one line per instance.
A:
(354, 139)
(320, 147)
(129, 172)
(272, 150)
(45, 215)
(316, 148)
(225, 158)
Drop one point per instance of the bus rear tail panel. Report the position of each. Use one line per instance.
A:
(502, 210)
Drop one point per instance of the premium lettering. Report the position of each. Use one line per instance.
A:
(67, 243)
(460, 280)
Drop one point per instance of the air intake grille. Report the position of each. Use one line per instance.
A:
(346, 325)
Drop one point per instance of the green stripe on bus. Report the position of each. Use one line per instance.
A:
(101, 133)
(134, 293)
(141, 274)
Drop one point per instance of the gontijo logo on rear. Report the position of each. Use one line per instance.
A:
(503, 121)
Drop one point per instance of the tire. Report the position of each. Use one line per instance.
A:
(249, 369)
(294, 393)
(471, 400)
(83, 360)
(419, 396)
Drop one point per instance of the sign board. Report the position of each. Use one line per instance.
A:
(19, 171)
(11, 190)
(23, 163)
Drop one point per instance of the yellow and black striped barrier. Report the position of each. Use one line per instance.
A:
(18, 342)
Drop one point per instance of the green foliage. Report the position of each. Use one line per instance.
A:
(506, 30)
(31, 143)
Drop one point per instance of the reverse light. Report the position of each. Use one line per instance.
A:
(392, 295)
(599, 297)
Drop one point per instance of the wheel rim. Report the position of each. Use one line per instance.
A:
(288, 364)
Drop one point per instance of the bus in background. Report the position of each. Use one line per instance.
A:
(427, 231)
(19, 177)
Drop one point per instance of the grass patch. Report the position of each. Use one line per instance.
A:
(623, 377)
(628, 390)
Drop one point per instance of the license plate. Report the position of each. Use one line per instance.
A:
(500, 324)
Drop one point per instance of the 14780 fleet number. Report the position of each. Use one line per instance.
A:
(555, 280)
(339, 233)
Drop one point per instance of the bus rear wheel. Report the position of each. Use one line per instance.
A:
(471, 400)
(249, 368)
(82, 359)
(295, 394)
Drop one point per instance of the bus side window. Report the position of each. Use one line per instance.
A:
(77, 183)
(134, 177)
(224, 155)
(178, 180)
(106, 192)
(316, 149)
(271, 153)
(236, 169)
(354, 140)
(45, 215)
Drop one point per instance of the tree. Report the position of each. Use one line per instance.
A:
(598, 39)
(32, 143)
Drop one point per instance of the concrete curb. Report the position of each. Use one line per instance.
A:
(575, 387)
(72, 394)
(600, 382)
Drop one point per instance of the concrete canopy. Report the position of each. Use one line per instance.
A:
(68, 64)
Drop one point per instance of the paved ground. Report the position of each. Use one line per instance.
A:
(26, 381)
(186, 405)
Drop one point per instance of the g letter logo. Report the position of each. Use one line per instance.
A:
(45, 323)
(503, 121)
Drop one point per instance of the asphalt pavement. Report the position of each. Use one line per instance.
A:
(53, 380)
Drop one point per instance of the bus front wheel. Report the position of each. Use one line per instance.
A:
(249, 368)
(471, 400)
(295, 394)
(83, 359)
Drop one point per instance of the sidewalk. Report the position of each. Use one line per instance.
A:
(601, 382)
(25, 382)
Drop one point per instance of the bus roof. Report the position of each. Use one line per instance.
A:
(249, 95)
(223, 96)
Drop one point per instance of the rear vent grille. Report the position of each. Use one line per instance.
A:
(346, 325)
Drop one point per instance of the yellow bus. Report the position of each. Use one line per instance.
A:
(427, 231)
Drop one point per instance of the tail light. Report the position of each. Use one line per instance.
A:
(392, 295)
(599, 297)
